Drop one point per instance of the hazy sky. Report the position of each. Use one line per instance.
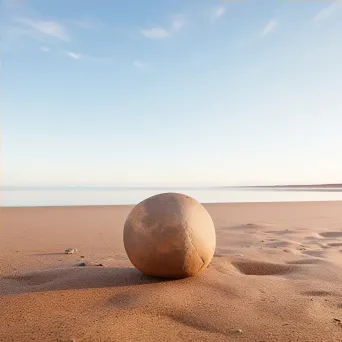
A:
(171, 92)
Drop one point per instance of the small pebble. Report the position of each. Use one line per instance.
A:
(70, 251)
(239, 255)
(238, 331)
(82, 257)
(82, 264)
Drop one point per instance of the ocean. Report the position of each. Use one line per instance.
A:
(64, 196)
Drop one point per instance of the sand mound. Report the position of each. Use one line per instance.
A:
(316, 253)
(335, 244)
(249, 227)
(282, 232)
(331, 234)
(278, 244)
(305, 262)
(250, 267)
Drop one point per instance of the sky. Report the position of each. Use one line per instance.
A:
(160, 92)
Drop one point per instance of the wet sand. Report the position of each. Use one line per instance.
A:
(276, 276)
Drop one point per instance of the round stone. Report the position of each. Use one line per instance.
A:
(170, 236)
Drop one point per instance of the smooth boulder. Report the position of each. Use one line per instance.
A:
(170, 236)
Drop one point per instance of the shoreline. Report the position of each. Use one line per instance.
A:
(132, 205)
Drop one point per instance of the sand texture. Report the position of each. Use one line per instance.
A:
(276, 276)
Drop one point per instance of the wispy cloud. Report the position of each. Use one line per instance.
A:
(140, 64)
(271, 25)
(87, 58)
(87, 23)
(161, 32)
(76, 56)
(178, 23)
(73, 55)
(155, 33)
(218, 12)
(49, 28)
(328, 12)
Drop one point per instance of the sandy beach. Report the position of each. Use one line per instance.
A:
(276, 276)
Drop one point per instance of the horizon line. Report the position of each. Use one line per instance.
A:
(18, 187)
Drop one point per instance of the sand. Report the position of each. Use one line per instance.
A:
(276, 276)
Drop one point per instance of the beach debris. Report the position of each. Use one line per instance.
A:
(71, 251)
(239, 255)
(82, 257)
(82, 264)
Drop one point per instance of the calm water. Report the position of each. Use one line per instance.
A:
(109, 196)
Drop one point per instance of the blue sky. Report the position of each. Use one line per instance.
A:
(170, 92)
